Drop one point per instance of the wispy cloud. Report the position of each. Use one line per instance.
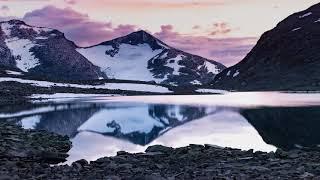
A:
(77, 26)
(149, 3)
(226, 50)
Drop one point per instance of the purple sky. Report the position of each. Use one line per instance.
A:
(221, 30)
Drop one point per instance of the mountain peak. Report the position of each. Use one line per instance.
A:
(14, 22)
(142, 32)
(139, 37)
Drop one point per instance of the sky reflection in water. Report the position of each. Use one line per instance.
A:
(102, 126)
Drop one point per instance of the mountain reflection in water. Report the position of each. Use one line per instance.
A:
(102, 128)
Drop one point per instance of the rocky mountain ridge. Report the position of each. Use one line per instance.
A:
(285, 58)
(44, 52)
(141, 56)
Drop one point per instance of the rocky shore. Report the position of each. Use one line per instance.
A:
(29, 154)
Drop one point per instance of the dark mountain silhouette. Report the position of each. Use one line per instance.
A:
(285, 58)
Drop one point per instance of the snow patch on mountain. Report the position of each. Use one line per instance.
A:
(296, 29)
(213, 91)
(174, 64)
(212, 67)
(20, 48)
(129, 63)
(305, 15)
(196, 82)
(236, 73)
(164, 55)
(13, 73)
(110, 86)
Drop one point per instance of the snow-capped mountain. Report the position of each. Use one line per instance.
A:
(285, 58)
(46, 53)
(42, 52)
(140, 56)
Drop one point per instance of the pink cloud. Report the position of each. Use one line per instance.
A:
(141, 4)
(84, 31)
(4, 8)
(196, 27)
(77, 26)
(220, 28)
(225, 50)
(72, 2)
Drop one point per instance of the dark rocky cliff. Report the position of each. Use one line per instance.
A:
(285, 58)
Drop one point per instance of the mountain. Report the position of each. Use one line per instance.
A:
(140, 56)
(285, 58)
(42, 52)
(46, 53)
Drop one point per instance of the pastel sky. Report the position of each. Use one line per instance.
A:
(221, 30)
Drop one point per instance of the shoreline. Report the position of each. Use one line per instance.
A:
(29, 154)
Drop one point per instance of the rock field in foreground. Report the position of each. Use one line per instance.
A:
(26, 154)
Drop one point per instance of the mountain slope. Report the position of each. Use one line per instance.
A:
(46, 53)
(140, 56)
(42, 52)
(285, 58)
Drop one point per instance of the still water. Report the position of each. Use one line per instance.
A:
(101, 126)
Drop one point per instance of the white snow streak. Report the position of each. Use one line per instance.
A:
(111, 86)
(215, 91)
(13, 72)
(196, 82)
(236, 73)
(296, 29)
(305, 15)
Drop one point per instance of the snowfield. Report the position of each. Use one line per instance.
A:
(110, 86)
(215, 91)
(13, 73)
(20, 48)
(130, 62)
